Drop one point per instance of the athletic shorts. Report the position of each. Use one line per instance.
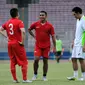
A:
(77, 52)
(44, 52)
(58, 53)
(17, 54)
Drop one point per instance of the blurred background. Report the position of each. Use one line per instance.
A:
(59, 14)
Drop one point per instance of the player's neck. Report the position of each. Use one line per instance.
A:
(80, 16)
(16, 17)
(43, 22)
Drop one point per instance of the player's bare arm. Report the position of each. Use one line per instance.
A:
(84, 48)
(31, 33)
(54, 42)
(72, 44)
(23, 36)
(83, 25)
(1, 31)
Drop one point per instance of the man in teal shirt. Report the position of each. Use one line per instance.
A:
(59, 51)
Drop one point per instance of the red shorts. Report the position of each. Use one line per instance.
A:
(17, 54)
(44, 52)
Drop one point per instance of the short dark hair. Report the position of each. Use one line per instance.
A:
(77, 10)
(44, 12)
(14, 12)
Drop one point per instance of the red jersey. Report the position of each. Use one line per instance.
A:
(12, 28)
(42, 33)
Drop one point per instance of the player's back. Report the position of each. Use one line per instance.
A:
(12, 28)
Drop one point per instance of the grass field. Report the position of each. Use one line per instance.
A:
(57, 74)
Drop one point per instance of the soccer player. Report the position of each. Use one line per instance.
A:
(59, 49)
(78, 47)
(16, 51)
(43, 31)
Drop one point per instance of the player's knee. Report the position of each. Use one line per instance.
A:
(36, 58)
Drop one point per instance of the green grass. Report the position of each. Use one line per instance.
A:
(57, 74)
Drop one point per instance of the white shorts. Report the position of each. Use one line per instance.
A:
(77, 52)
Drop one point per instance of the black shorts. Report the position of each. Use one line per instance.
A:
(58, 53)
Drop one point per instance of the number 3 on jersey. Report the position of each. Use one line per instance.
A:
(11, 32)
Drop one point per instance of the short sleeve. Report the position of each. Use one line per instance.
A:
(83, 25)
(33, 26)
(52, 30)
(21, 24)
(4, 26)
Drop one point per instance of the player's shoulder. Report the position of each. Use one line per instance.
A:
(83, 18)
(35, 23)
(19, 21)
(60, 40)
(49, 24)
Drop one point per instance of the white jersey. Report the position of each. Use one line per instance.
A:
(80, 28)
(77, 49)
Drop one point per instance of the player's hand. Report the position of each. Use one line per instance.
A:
(72, 45)
(21, 43)
(7, 39)
(54, 49)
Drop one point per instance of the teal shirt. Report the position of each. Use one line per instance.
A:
(58, 45)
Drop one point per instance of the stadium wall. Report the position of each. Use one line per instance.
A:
(30, 55)
(59, 14)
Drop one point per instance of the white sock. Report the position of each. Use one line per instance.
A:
(83, 74)
(35, 75)
(76, 74)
